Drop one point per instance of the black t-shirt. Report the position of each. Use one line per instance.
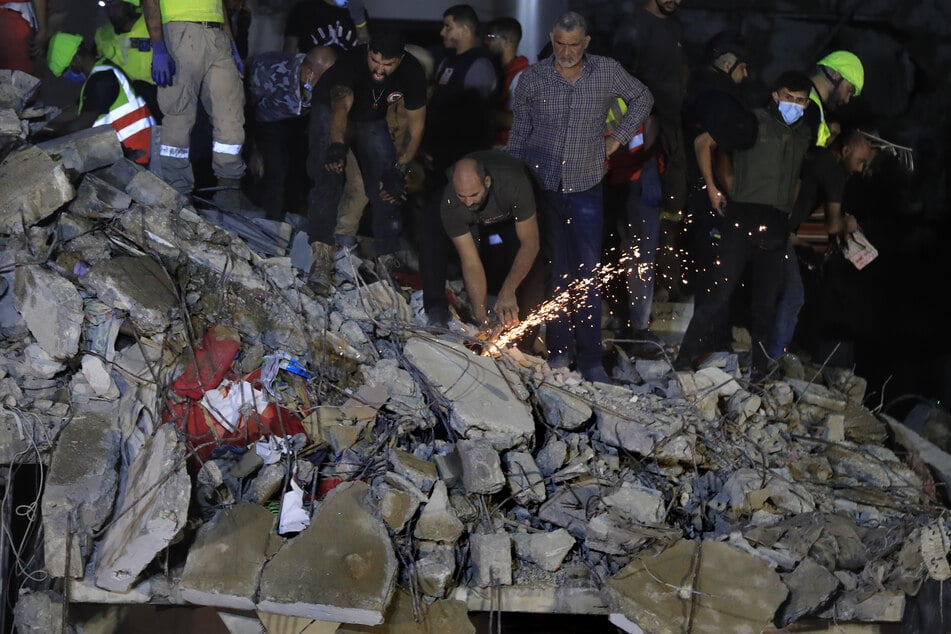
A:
(370, 99)
(100, 92)
(714, 105)
(822, 181)
(656, 55)
(316, 23)
(510, 195)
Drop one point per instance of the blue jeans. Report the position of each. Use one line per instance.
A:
(790, 303)
(643, 233)
(372, 145)
(571, 225)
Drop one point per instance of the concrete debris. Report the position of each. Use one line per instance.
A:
(482, 404)
(32, 187)
(85, 150)
(225, 562)
(152, 511)
(80, 491)
(711, 585)
(438, 521)
(341, 568)
(427, 469)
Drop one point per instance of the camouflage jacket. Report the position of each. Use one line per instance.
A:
(274, 90)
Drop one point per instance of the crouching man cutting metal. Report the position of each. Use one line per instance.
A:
(488, 210)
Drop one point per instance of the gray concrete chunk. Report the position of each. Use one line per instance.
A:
(95, 198)
(490, 559)
(51, 307)
(225, 562)
(139, 285)
(562, 408)
(80, 490)
(32, 187)
(483, 404)
(85, 150)
(340, 569)
(546, 550)
(154, 509)
(438, 521)
(524, 477)
(481, 468)
(16, 89)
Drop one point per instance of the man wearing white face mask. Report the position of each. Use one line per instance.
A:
(760, 195)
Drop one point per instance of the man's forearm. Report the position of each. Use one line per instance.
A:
(152, 13)
(341, 100)
(473, 275)
(524, 259)
(417, 124)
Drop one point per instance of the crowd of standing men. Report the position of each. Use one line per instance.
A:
(523, 168)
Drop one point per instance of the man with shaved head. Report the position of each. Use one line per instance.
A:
(489, 202)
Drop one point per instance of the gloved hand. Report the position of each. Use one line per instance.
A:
(651, 190)
(336, 158)
(163, 66)
(237, 57)
(393, 185)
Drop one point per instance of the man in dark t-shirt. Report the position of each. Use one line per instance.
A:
(817, 216)
(313, 23)
(489, 199)
(361, 87)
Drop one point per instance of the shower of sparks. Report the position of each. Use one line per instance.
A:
(575, 291)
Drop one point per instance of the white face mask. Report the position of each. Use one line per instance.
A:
(791, 112)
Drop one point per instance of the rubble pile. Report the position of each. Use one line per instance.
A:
(214, 433)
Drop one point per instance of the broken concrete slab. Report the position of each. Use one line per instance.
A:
(440, 617)
(438, 521)
(524, 477)
(546, 550)
(562, 409)
(32, 187)
(481, 467)
(483, 404)
(810, 588)
(85, 150)
(396, 507)
(38, 612)
(341, 568)
(153, 509)
(566, 507)
(52, 308)
(16, 89)
(490, 559)
(138, 285)
(435, 568)
(225, 562)
(96, 198)
(816, 394)
(711, 585)
(422, 473)
(639, 503)
(80, 491)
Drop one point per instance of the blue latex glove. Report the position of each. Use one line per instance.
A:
(237, 57)
(163, 66)
(651, 190)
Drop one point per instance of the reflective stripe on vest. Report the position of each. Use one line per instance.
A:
(128, 115)
(822, 139)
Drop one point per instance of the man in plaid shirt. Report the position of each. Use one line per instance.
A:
(559, 111)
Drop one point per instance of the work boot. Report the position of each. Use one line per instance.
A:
(229, 197)
(321, 277)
